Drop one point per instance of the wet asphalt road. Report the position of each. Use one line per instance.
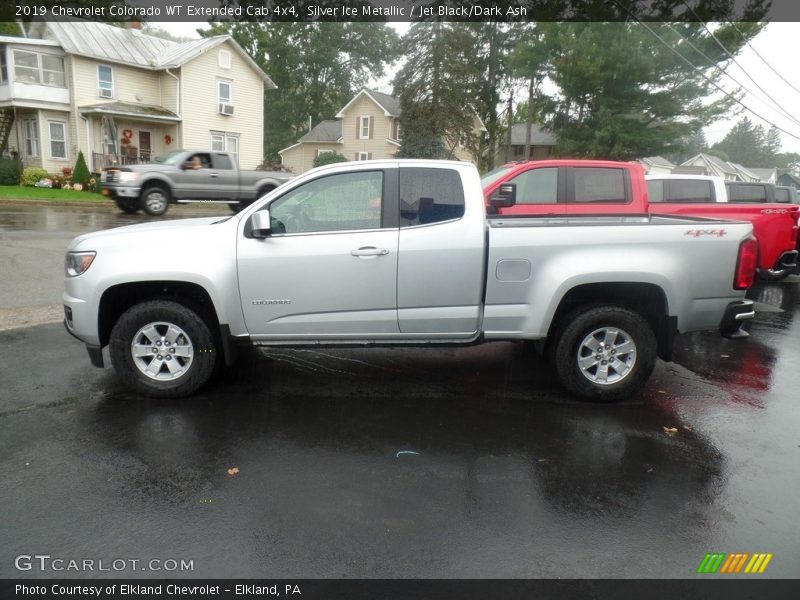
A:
(466, 462)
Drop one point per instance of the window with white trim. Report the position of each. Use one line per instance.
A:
(320, 152)
(363, 156)
(224, 92)
(31, 130)
(363, 128)
(105, 81)
(226, 142)
(3, 66)
(42, 69)
(224, 59)
(58, 139)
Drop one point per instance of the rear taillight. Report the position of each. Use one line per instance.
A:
(746, 264)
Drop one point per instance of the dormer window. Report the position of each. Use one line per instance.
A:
(105, 81)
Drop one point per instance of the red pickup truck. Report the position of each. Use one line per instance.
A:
(560, 188)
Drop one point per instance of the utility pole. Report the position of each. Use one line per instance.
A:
(510, 125)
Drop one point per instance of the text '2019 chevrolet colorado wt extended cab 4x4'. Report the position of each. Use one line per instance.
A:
(401, 253)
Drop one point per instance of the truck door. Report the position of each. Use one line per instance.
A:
(328, 271)
(441, 254)
(598, 191)
(540, 192)
(224, 176)
(192, 179)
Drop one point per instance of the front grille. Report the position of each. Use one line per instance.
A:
(112, 176)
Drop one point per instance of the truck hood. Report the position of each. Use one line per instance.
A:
(199, 229)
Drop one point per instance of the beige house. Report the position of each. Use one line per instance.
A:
(123, 97)
(367, 128)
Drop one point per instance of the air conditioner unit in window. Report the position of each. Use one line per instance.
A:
(106, 93)
(226, 109)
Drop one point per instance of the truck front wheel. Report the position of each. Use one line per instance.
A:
(155, 200)
(127, 205)
(604, 353)
(162, 349)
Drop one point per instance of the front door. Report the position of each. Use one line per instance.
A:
(145, 148)
(328, 271)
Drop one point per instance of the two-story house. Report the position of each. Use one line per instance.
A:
(122, 97)
(366, 128)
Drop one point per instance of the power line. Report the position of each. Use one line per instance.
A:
(736, 81)
(710, 81)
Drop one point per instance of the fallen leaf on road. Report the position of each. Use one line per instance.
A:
(233, 471)
(670, 430)
(687, 428)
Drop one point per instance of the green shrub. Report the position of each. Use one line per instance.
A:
(9, 172)
(33, 174)
(80, 174)
(328, 158)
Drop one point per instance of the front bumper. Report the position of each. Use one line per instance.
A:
(734, 317)
(120, 191)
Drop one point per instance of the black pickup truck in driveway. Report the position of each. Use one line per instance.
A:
(187, 176)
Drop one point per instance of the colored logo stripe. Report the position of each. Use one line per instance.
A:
(710, 563)
(733, 563)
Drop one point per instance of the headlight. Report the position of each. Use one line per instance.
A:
(128, 176)
(76, 263)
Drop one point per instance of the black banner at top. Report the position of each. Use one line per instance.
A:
(401, 10)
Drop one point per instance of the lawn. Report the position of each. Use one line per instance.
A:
(18, 192)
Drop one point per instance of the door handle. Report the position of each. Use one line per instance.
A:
(369, 251)
(213, 175)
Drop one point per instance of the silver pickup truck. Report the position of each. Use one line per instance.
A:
(402, 253)
(187, 176)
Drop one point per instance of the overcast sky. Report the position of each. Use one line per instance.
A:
(777, 45)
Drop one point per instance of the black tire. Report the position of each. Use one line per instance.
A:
(154, 200)
(235, 206)
(194, 341)
(127, 205)
(623, 376)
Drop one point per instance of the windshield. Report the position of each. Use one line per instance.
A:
(171, 158)
(494, 175)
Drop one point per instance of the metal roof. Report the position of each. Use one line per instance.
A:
(132, 47)
(106, 42)
(129, 109)
(389, 104)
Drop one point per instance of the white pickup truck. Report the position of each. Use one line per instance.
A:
(402, 253)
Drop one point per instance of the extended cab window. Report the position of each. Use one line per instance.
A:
(222, 162)
(537, 186)
(690, 190)
(598, 184)
(655, 191)
(430, 196)
(342, 202)
(738, 192)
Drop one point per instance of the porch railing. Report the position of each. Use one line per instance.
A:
(103, 161)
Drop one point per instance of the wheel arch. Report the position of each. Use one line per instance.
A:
(118, 298)
(647, 299)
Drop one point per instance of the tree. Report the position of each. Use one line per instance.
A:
(436, 112)
(751, 146)
(317, 67)
(329, 158)
(623, 93)
(80, 174)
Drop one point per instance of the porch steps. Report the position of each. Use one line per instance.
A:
(6, 123)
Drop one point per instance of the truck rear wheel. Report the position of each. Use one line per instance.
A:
(604, 353)
(155, 200)
(162, 349)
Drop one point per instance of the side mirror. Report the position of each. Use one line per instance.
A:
(260, 224)
(186, 165)
(504, 196)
